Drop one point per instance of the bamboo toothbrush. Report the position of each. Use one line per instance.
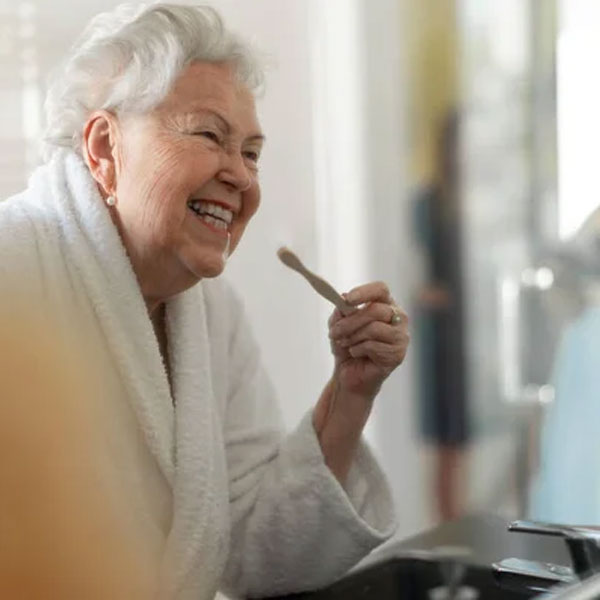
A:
(322, 287)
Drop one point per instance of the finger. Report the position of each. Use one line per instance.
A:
(375, 311)
(375, 330)
(348, 309)
(335, 316)
(376, 291)
(386, 356)
(338, 350)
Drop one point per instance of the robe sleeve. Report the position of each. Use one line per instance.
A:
(294, 527)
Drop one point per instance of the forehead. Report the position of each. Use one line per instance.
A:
(213, 86)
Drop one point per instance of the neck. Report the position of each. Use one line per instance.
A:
(157, 299)
(154, 307)
(156, 295)
(157, 282)
(155, 311)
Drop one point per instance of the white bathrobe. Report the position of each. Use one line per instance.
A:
(226, 500)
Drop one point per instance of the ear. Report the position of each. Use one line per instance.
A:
(98, 149)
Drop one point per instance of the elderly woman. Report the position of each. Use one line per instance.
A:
(150, 181)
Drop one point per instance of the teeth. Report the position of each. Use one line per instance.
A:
(218, 223)
(208, 208)
(213, 221)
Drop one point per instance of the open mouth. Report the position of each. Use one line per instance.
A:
(214, 215)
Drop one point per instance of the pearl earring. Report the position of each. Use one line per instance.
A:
(111, 201)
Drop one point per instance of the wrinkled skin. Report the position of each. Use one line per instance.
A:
(202, 142)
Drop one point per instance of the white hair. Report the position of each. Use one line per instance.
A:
(127, 60)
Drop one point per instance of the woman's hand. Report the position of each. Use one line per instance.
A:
(368, 343)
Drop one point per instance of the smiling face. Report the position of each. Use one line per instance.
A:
(186, 180)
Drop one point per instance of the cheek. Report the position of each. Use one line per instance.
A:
(160, 179)
(163, 168)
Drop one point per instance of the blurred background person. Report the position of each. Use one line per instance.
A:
(434, 132)
(443, 402)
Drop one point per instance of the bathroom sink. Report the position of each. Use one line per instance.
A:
(409, 568)
(408, 578)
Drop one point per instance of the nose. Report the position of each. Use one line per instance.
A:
(235, 172)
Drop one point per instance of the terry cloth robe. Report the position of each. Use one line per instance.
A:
(226, 499)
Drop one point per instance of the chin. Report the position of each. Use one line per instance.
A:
(208, 268)
(210, 273)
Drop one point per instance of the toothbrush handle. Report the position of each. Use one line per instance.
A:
(326, 290)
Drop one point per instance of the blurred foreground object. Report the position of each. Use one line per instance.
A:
(64, 532)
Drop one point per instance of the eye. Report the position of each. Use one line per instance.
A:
(211, 135)
(252, 155)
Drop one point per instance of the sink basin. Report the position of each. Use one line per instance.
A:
(408, 578)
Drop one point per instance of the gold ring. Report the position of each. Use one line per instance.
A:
(395, 318)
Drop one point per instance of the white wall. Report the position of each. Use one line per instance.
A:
(286, 312)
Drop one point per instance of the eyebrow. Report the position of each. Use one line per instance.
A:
(260, 137)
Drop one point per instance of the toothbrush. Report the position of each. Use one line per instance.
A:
(322, 287)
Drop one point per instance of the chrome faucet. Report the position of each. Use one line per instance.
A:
(583, 543)
(584, 590)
